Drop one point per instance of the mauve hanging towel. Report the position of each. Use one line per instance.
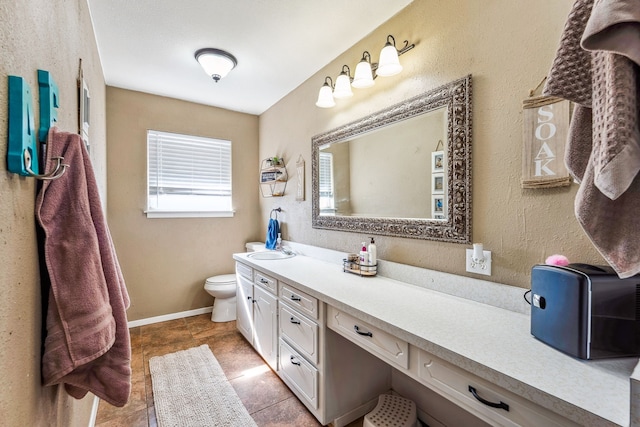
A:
(596, 67)
(87, 345)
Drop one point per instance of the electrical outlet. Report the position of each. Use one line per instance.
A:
(483, 267)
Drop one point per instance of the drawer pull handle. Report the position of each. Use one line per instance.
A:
(264, 281)
(500, 405)
(359, 332)
(249, 297)
(293, 361)
(294, 321)
(295, 298)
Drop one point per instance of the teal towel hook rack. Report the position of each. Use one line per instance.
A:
(48, 104)
(22, 151)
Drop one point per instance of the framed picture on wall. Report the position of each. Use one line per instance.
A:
(438, 207)
(437, 183)
(437, 161)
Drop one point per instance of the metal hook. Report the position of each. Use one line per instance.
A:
(54, 174)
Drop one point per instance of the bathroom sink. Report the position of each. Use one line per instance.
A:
(269, 255)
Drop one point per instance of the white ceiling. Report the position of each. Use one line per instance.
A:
(149, 45)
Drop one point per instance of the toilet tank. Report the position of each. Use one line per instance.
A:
(255, 246)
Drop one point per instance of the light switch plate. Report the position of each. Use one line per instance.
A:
(479, 268)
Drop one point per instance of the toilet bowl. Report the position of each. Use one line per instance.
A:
(223, 289)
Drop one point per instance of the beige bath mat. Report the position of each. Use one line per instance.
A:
(191, 390)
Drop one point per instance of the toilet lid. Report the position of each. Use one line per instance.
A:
(223, 279)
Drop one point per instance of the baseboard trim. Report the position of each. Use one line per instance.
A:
(172, 316)
(356, 413)
(94, 411)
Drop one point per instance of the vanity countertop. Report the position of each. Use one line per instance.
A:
(490, 342)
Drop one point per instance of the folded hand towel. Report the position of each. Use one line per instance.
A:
(87, 344)
(272, 234)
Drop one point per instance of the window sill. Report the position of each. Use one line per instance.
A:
(189, 214)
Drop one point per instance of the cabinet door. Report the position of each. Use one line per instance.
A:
(244, 307)
(265, 317)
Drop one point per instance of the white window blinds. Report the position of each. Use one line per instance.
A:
(188, 173)
(326, 181)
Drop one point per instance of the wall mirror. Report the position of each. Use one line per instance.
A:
(404, 171)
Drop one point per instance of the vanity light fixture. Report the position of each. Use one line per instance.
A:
(343, 84)
(325, 96)
(216, 62)
(389, 64)
(364, 77)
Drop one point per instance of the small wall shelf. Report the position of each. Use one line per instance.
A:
(273, 177)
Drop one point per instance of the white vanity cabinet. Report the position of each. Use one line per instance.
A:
(358, 337)
(244, 301)
(257, 312)
(299, 343)
(337, 381)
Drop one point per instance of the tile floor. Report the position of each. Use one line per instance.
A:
(266, 397)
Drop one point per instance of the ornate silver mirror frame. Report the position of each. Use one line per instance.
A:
(456, 228)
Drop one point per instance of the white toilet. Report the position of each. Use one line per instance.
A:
(223, 289)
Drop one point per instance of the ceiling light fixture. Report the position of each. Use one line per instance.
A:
(216, 62)
(363, 77)
(325, 96)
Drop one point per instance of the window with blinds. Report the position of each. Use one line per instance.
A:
(188, 175)
(326, 183)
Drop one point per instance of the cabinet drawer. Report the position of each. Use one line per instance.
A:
(301, 301)
(266, 282)
(454, 383)
(301, 376)
(300, 332)
(376, 341)
(244, 271)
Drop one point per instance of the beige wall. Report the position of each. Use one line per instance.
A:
(508, 46)
(52, 36)
(165, 261)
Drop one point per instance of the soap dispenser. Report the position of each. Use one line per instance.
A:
(279, 242)
(364, 257)
(373, 256)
